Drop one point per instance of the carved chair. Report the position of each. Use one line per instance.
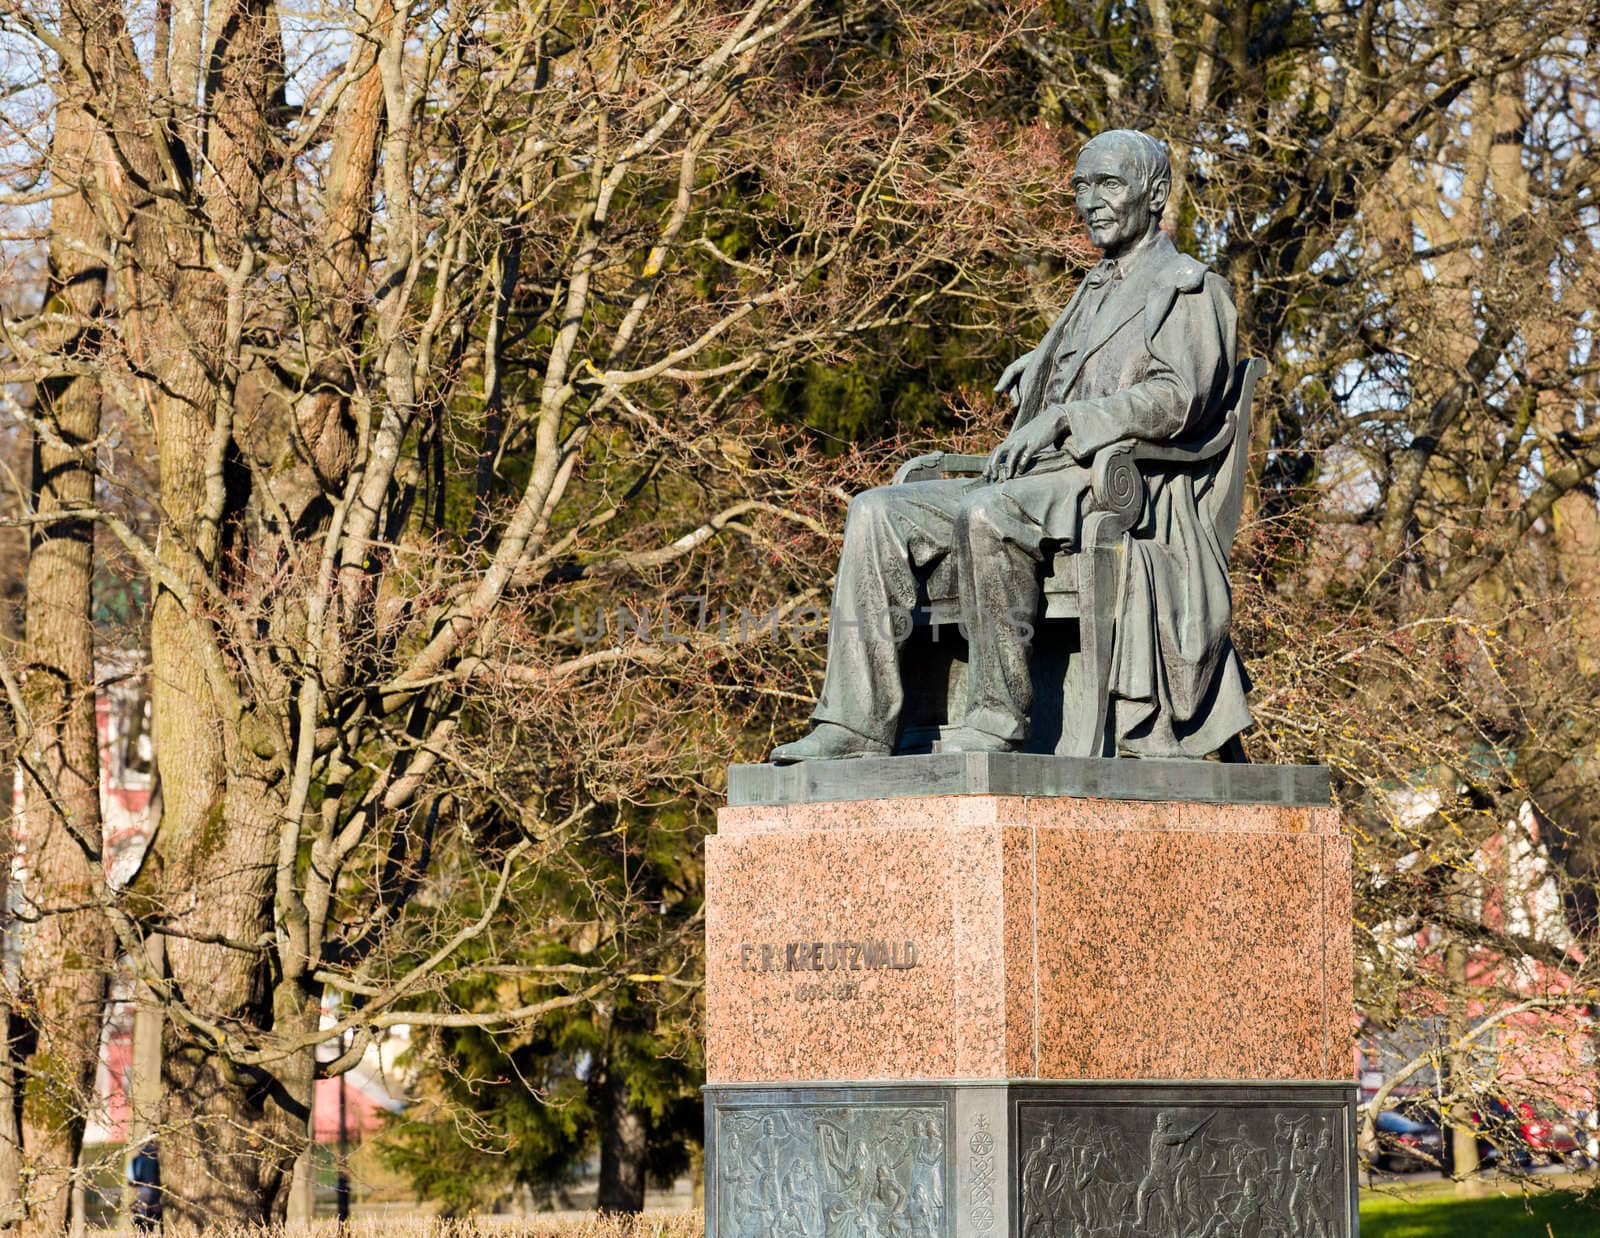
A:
(1072, 674)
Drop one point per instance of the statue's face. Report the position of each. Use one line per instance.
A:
(1113, 198)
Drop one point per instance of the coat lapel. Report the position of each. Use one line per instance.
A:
(1141, 292)
(1126, 302)
(1037, 375)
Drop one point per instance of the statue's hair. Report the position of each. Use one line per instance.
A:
(1149, 156)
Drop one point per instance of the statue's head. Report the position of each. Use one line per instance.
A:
(1122, 179)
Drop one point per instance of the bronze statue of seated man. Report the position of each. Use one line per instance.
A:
(1145, 352)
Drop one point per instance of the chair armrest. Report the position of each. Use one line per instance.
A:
(1119, 487)
(940, 464)
(1197, 450)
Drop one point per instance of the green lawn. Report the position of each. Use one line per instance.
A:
(1436, 1212)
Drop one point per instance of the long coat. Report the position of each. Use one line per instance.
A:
(1150, 356)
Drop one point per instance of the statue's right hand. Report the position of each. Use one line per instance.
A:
(1017, 453)
(1012, 377)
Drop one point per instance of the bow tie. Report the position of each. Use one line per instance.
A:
(1109, 271)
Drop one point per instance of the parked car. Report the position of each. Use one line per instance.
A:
(1523, 1134)
(1489, 1141)
(1407, 1143)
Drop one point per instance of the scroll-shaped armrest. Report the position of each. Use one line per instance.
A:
(1117, 487)
(940, 464)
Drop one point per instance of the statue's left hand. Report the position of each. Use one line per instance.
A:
(1019, 450)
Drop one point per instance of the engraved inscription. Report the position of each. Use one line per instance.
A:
(826, 1171)
(981, 1189)
(840, 991)
(827, 955)
(1179, 1172)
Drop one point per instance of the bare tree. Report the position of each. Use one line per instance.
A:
(415, 323)
(1403, 201)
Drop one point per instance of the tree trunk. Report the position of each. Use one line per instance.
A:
(297, 1010)
(1463, 1135)
(623, 1139)
(231, 1135)
(10, 1136)
(302, 1208)
(144, 1079)
(68, 956)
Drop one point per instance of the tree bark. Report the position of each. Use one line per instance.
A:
(623, 1140)
(1463, 1136)
(68, 955)
(231, 1135)
(144, 1082)
(10, 1135)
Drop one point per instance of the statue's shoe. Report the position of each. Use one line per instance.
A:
(828, 742)
(966, 739)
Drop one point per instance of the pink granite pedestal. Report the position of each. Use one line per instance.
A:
(1014, 970)
(1047, 939)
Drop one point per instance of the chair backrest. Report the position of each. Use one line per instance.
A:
(1225, 500)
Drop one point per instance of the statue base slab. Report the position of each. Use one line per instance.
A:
(1026, 773)
(1022, 1158)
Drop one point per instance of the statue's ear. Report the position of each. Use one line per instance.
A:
(1158, 195)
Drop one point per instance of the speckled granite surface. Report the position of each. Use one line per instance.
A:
(969, 936)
